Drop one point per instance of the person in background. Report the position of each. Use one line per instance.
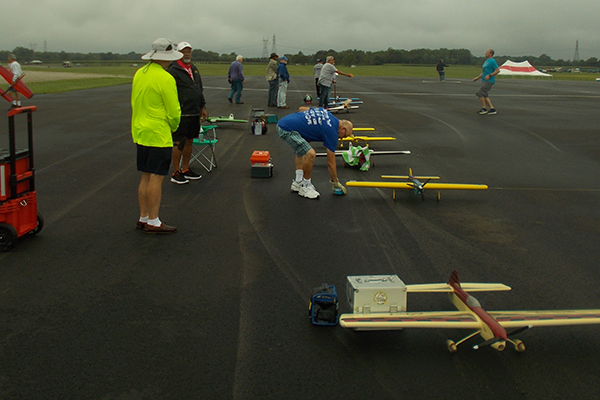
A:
(155, 116)
(284, 79)
(15, 68)
(193, 111)
(489, 70)
(327, 79)
(271, 77)
(440, 69)
(316, 73)
(235, 76)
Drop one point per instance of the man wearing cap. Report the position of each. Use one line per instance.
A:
(155, 115)
(235, 76)
(327, 79)
(193, 110)
(284, 79)
(271, 77)
(316, 73)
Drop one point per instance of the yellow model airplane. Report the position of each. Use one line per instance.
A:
(414, 183)
(491, 326)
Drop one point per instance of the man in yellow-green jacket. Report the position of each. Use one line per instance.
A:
(155, 115)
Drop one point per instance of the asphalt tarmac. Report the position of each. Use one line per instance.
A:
(93, 309)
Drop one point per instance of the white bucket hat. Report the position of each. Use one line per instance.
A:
(162, 50)
(183, 45)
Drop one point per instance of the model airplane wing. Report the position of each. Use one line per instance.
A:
(517, 319)
(437, 319)
(444, 287)
(367, 138)
(409, 185)
(230, 118)
(408, 177)
(363, 129)
(18, 86)
(339, 153)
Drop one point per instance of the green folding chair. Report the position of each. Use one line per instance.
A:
(203, 149)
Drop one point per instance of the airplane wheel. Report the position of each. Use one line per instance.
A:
(519, 346)
(451, 346)
(8, 237)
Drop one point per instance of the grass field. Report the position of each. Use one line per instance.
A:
(123, 74)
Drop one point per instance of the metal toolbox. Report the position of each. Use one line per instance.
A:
(376, 294)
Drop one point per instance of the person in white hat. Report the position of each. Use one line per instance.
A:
(155, 115)
(193, 111)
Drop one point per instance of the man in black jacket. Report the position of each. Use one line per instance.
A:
(193, 110)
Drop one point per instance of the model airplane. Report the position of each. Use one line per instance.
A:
(18, 85)
(414, 183)
(495, 327)
(231, 118)
(345, 105)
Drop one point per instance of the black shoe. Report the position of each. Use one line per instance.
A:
(178, 178)
(483, 111)
(229, 100)
(189, 174)
(239, 102)
(492, 111)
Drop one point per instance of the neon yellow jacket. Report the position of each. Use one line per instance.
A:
(155, 107)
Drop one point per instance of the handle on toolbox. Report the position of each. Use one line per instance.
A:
(30, 174)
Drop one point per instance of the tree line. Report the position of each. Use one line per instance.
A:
(346, 57)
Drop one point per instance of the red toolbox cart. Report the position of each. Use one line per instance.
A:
(18, 199)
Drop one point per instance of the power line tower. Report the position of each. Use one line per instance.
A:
(576, 56)
(265, 53)
(274, 48)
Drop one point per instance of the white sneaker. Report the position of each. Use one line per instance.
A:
(296, 186)
(308, 190)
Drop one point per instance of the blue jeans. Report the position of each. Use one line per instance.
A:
(442, 75)
(324, 97)
(273, 88)
(236, 88)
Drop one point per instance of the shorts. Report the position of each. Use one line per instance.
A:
(295, 140)
(155, 160)
(189, 128)
(484, 90)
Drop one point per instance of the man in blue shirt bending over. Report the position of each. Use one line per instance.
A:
(489, 71)
(313, 125)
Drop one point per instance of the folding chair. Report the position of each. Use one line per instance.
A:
(203, 149)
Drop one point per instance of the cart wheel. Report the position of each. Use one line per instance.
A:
(8, 237)
(40, 225)
(451, 346)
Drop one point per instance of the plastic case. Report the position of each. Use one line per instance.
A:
(262, 170)
(376, 294)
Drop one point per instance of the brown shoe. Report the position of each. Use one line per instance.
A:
(140, 225)
(162, 229)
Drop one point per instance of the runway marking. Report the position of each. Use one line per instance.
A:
(534, 134)
(447, 124)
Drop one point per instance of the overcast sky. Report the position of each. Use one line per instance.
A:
(510, 27)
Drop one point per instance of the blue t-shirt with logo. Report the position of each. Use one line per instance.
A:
(489, 66)
(314, 125)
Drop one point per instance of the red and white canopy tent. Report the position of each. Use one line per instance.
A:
(511, 68)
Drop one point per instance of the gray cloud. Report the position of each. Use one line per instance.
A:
(510, 27)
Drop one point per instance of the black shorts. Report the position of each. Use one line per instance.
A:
(189, 127)
(155, 160)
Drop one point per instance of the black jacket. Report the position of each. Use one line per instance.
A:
(189, 92)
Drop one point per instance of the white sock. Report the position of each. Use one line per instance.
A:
(144, 220)
(154, 222)
(299, 175)
(306, 181)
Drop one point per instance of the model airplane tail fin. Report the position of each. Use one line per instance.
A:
(454, 280)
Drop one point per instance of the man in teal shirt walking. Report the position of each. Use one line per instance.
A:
(489, 71)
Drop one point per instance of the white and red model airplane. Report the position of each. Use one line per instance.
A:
(495, 327)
